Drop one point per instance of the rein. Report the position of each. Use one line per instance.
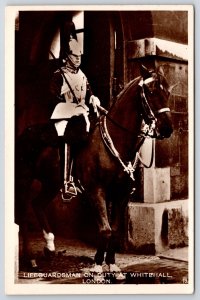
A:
(105, 112)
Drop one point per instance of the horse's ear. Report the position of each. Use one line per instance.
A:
(171, 87)
(144, 72)
(161, 70)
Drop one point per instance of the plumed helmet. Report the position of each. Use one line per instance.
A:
(74, 47)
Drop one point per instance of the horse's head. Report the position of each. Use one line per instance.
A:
(155, 94)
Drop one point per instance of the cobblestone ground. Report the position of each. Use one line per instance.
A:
(73, 260)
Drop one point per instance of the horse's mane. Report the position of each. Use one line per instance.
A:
(133, 83)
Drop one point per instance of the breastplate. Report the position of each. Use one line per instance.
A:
(78, 83)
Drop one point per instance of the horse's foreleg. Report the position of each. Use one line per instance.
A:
(117, 215)
(99, 205)
(117, 221)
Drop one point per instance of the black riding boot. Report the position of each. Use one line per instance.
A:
(69, 189)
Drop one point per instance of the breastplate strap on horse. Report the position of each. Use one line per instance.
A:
(129, 167)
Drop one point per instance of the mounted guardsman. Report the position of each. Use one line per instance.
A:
(70, 86)
(104, 166)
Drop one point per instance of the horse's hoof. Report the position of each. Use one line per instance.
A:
(118, 273)
(114, 268)
(96, 269)
(48, 253)
(34, 269)
(120, 276)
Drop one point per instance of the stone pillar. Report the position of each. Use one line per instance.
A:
(156, 180)
(154, 227)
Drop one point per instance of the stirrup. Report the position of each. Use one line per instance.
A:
(69, 191)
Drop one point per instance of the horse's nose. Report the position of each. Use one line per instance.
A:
(166, 131)
(165, 126)
(169, 132)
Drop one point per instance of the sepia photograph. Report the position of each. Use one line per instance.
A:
(99, 149)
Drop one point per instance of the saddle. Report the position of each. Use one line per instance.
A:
(75, 131)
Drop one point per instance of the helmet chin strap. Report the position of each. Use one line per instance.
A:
(72, 63)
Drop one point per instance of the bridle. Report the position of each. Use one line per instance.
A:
(148, 131)
(147, 111)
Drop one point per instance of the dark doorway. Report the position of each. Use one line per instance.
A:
(103, 54)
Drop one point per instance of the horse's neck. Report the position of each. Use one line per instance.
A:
(126, 113)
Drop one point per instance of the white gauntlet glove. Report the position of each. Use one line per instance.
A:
(95, 102)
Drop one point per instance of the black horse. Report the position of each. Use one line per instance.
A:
(104, 166)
